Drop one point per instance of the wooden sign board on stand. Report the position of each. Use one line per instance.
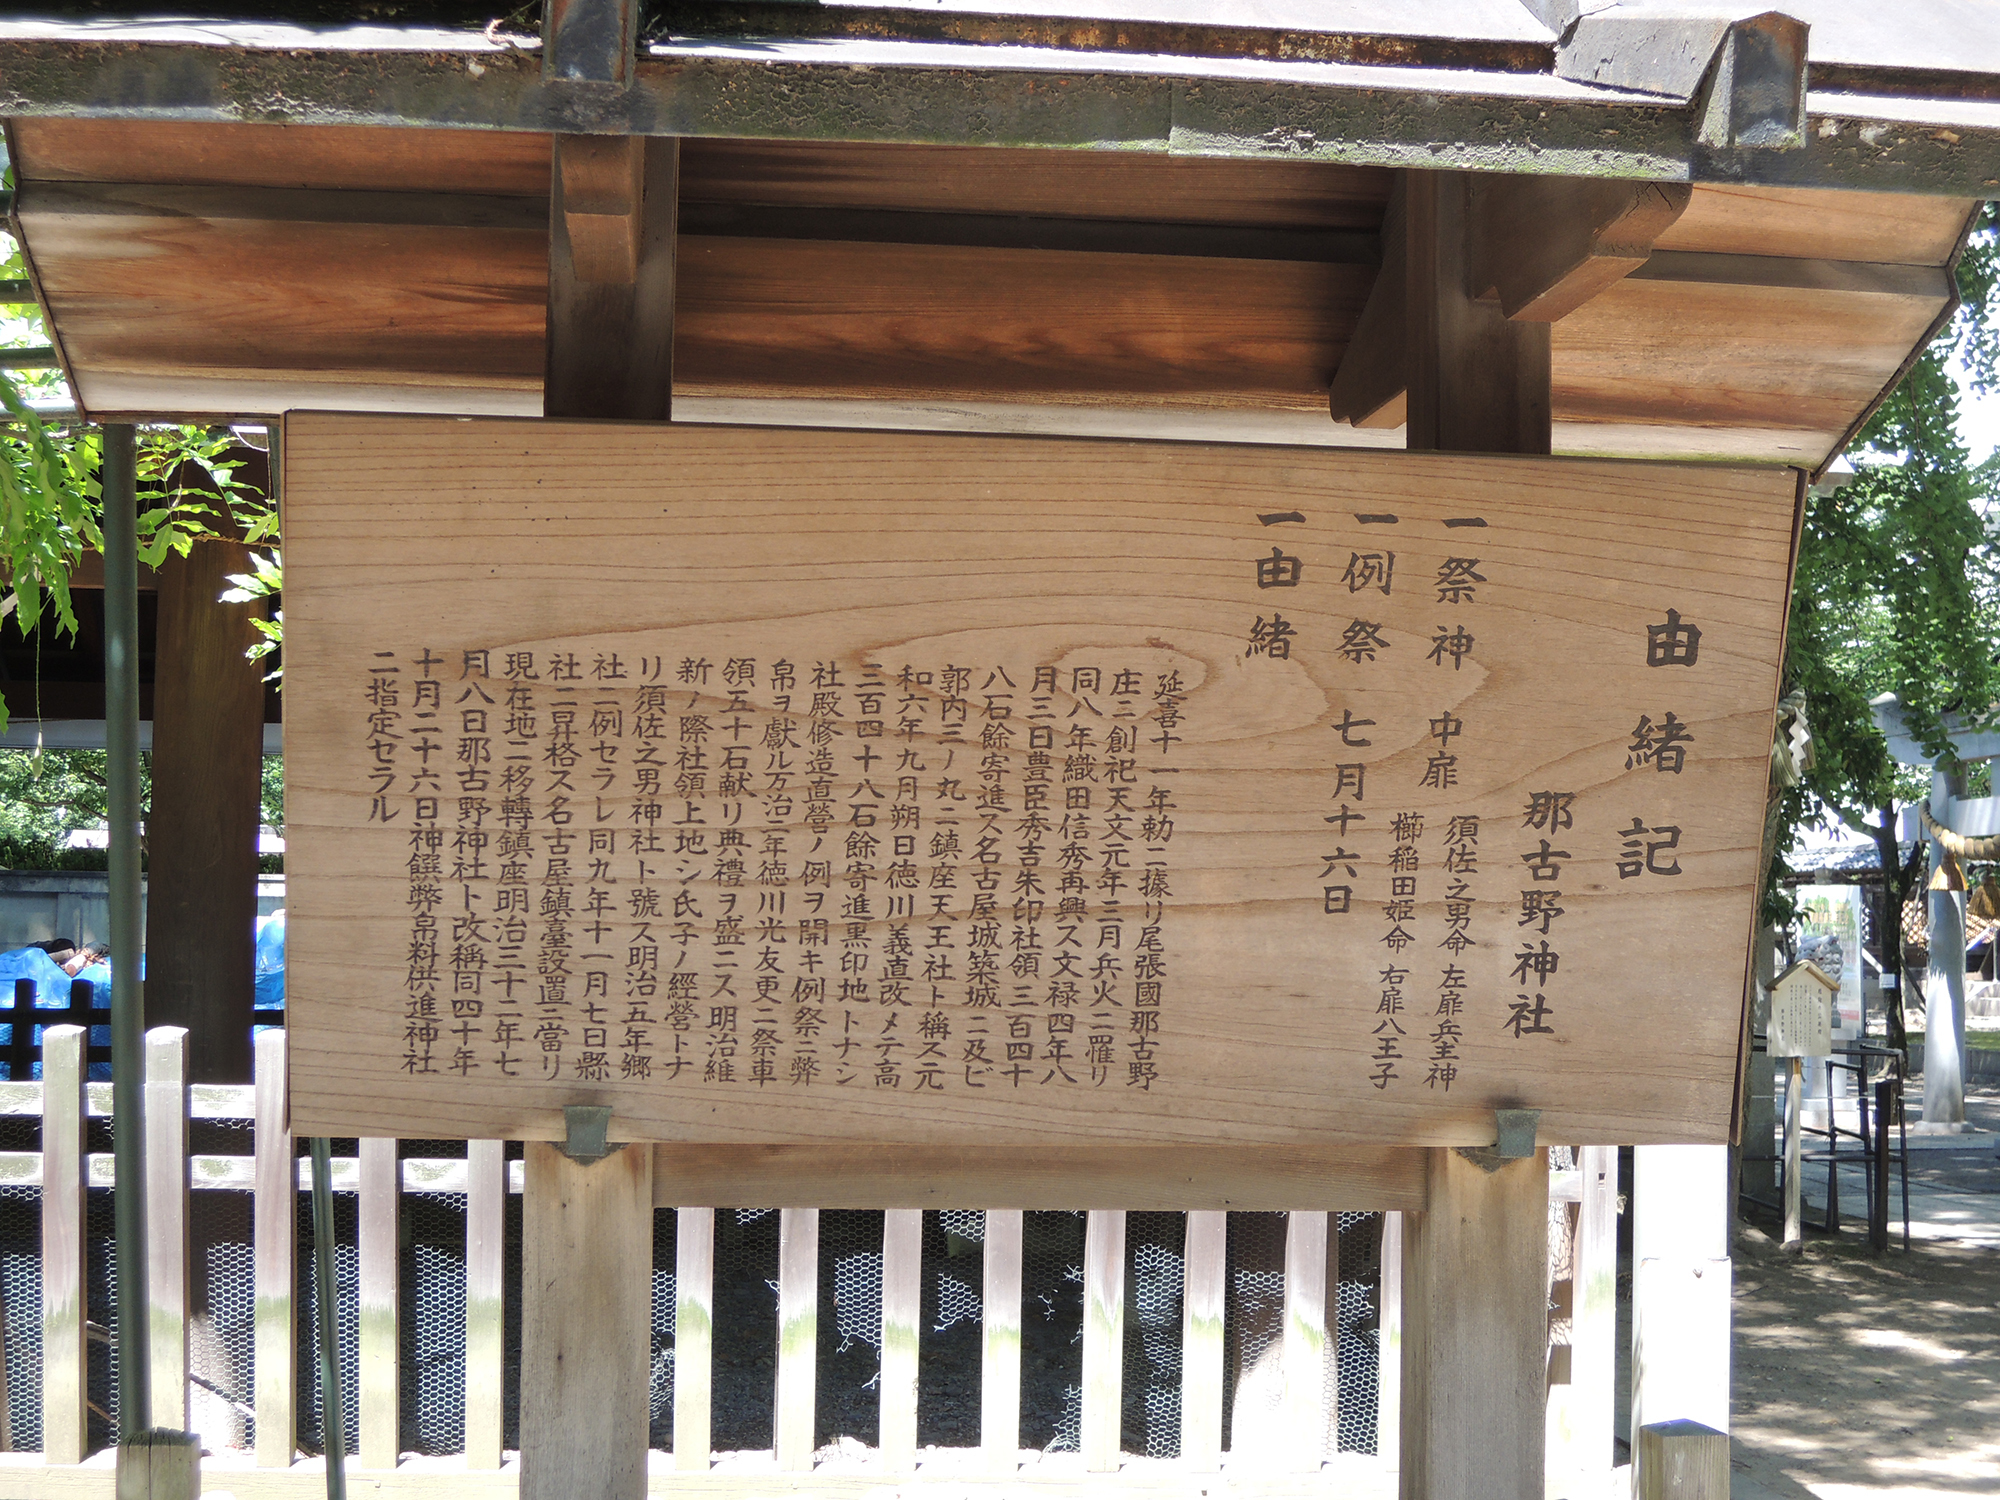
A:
(793, 786)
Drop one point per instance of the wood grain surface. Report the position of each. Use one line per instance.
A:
(1241, 995)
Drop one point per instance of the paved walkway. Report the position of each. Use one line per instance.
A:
(1876, 1377)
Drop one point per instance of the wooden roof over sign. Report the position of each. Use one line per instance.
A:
(1152, 218)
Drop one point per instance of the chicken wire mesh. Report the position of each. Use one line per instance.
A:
(949, 1333)
(660, 1381)
(21, 1287)
(222, 1322)
(1052, 1330)
(848, 1366)
(431, 1413)
(1356, 1309)
(312, 1435)
(745, 1338)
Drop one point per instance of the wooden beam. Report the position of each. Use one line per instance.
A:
(610, 333)
(1168, 1179)
(1540, 246)
(1544, 246)
(589, 41)
(1478, 382)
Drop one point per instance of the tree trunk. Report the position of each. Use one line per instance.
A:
(208, 746)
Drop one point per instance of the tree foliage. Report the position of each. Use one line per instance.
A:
(47, 795)
(1898, 587)
(51, 499)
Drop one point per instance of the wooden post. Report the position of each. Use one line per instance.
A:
(1000, 1343)
(1944, 985)
(1475, 1263)
(379, 1365)
(485, 1302)
(167, 1231)
(1593, 1328)
(1203, 1299)
(1301, 1401)
(1479, 381)
(65, 1423)
(1680, 1286)
(902, 1303)
(275, 1210)
(694, 1334)
(208, 759)
(1681, 1461)
(586, 1316)
(159, 1465)
(613, 205)
(1795, 1089)
(1389, 1342)
(1878, 1219)
(1103, 1339)
(1475, 1331)
(798, 1337)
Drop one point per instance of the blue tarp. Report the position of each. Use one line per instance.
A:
(271, 961)
(51, 984)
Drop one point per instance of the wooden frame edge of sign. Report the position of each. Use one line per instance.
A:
(1274, 1171)
(1738, 1114)
(1177, 1179)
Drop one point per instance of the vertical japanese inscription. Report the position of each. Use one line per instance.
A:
(715, 871)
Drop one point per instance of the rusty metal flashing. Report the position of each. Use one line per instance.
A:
(959, 94)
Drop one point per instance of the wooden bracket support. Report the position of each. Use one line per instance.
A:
(1371, 387)
(611, 278)
(1544, 246)
(604, 198)
(1521, 249)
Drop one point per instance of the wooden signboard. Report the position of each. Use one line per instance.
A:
(797, 786)
(1802, 1012)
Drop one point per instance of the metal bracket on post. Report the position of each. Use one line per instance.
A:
(1514, 1139)
(585, 1127)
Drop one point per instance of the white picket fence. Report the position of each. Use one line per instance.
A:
(1293, 1445)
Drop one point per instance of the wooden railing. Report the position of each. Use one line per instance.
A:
(24, 1017)
(275, 1175)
